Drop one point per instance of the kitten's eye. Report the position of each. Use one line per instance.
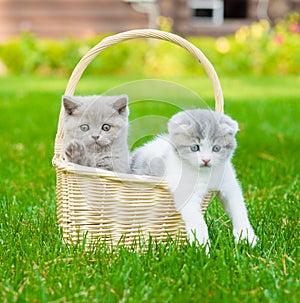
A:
(106, 127)
(84, 127)
(195, 148)
(216, 148)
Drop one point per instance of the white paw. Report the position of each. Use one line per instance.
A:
(195, 238)
(245, 234)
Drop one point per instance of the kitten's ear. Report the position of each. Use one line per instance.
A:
(179, 123)
(120, 105)
(229, 125)
(70, 104)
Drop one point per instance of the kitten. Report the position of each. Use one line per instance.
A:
(95, 130)
(195, 157)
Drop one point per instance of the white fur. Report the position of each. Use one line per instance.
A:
(190, 183)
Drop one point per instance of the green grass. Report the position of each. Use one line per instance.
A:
(37, 267)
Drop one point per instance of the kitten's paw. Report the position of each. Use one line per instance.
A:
(245, 234)
(199, 241)
(75, 151)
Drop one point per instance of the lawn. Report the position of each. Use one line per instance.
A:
(37, 267)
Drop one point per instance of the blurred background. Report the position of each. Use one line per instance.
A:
(85, 18)
(238, 36)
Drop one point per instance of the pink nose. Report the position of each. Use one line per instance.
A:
(205, 161)
(95, 137)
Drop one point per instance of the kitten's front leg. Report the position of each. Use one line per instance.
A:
(233, 203)
(76, 152)
(194, 222)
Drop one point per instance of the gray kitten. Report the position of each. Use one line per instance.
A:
(194, 158)
(95, 130)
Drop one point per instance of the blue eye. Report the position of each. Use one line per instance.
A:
(216, 148)
(84, 127)
(195, 148)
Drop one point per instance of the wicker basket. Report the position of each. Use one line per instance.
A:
(98, 204)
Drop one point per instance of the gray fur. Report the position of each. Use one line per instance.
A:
(205, 128)
(86, 143)
(141, 165)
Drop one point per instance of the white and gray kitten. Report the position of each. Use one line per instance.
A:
(194, 158)
(95, 130)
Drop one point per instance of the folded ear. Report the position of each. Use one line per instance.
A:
(179, 123)
(229, 125)
(120, 105)
(70, 104)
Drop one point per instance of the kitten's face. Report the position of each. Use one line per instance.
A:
(95, 121)
(203, 138)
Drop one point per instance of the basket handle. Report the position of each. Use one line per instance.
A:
(140, 33)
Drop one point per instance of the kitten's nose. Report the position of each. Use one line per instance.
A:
(96, 137)
(205, 161)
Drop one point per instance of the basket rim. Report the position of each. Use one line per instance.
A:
(86, 171)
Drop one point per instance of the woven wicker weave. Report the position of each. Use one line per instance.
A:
(105, 205)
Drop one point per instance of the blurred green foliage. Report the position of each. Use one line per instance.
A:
(255, 49)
